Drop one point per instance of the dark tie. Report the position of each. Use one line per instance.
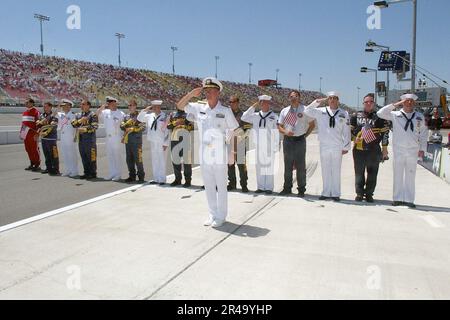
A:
(409, 121)
(263, 118)
(332, 118)
(155, 123)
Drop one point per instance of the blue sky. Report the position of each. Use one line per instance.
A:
(322, 38)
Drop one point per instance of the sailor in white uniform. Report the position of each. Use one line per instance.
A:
(158, 135)
(266, 136)
(216, 124)
(112, 118)
(335, 140)
(409, 142)
(68, 144)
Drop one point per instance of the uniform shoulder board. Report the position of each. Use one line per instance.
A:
(341, 115)
(201, 112)
(220, 115)
(202, 101)
(272, 117)
(419, 118)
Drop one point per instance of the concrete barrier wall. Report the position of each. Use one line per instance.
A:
(12, 136)
(445, 164)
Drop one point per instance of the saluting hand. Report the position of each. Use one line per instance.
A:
(399, 103)
(196, 92)
(319, 101)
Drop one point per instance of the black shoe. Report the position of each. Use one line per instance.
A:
(83, 176)
(162, 183)
(244, 189)
(259, 191)
(359, 198)
(44, 171)
(202, 187)
(29, 168)
(54, 173)
(369, 198)
(187, 184)
(89, 177)
(36, 169)
(230, 187)
(301, 194)
(141, 180)
(397, 203)
(336, 199)
(130, 179)
(268, 192)
(323, 198)
(410, 205)
(285, 192)
(153, 182)
(175, 183)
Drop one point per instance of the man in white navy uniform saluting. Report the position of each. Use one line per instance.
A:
(335, 140)
(266, 137)
(112, 118)
(216, 124)
(409, 142)
(67, 144)
(158, 135)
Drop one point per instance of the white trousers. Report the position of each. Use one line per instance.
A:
(265, 167)
(405, 165)
(216, 175)
(70, 158)
(114, 149)
(158, 161)
(330, 162)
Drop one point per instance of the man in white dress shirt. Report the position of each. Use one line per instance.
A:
(158, 135)
(68, 144)
(112, 118)
(216, 124)
(335, 140)
(266, 137)
(295, 126)
(409, 142)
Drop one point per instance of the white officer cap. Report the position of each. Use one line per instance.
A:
(333, 94)
(211, 82)
(111, 99)
(156, 102)
(409, 96)
(265, 97)
(67, 101)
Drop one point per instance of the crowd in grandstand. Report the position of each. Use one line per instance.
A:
(52, 78)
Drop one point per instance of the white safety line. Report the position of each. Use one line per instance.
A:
(433, 221)
(75, 205)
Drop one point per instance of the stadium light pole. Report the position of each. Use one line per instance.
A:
(250, 72)
(364, 70)
(173, 58)
(119, 36)
(41, 18)
(217, 59)
(320, 86)
(370, 48)
(276, 77)
(385, 4)
(299, 81)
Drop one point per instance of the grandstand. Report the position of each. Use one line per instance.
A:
(53, 78)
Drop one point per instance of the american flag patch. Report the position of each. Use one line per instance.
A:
(367, 134)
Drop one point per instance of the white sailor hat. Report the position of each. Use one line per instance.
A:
(333, 94)
(265, 97)
(111, 99)
(67, 101)
(409, 96)
(211, 82)
(156, 102)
